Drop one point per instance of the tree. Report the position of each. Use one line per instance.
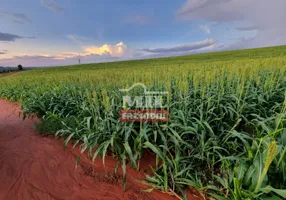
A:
(20, 67)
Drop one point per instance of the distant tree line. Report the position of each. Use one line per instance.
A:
(11, 69)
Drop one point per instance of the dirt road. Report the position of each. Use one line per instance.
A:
(36, 167)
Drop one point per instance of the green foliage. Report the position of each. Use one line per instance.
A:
(227, 115)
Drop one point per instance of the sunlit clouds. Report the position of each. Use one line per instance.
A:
(88, 54)
(116, 50)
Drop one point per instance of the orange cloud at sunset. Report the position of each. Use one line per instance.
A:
(114, 50)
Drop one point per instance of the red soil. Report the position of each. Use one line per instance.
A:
(35, 167)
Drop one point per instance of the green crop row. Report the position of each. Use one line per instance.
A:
(226, 131)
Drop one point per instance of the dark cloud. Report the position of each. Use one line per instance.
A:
(52, 5)
(7, 37)
(18, 18)
(3, 52)
(182, 48)
(247, 28)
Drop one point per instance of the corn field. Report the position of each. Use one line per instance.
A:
(226, 132)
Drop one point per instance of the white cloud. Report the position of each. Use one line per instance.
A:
(206, 29)
(52, 5)
(264, 16)
(117, 50)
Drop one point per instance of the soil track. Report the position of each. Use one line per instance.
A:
(9, 74)
(35, 167)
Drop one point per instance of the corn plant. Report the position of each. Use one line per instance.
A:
(226, 130)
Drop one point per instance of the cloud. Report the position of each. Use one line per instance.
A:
(21, 18)
(7, 37)
(182, 48)
(90, 54)
(248, 28)
(263, 16)
(3, 52)
(240, 43)
(217, 10)
(117, 50)
(18, 18)
(77, 38)
(243, 15)
(80, 40)
(56, 60)
(83, 40)
(52, 5)
(138, 19)
(206, 29)
(106, 53)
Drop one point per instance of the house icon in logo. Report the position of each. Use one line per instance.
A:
(146, 92)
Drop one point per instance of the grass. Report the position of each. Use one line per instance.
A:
(226, 131)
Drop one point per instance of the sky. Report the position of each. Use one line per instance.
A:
(60, 32)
